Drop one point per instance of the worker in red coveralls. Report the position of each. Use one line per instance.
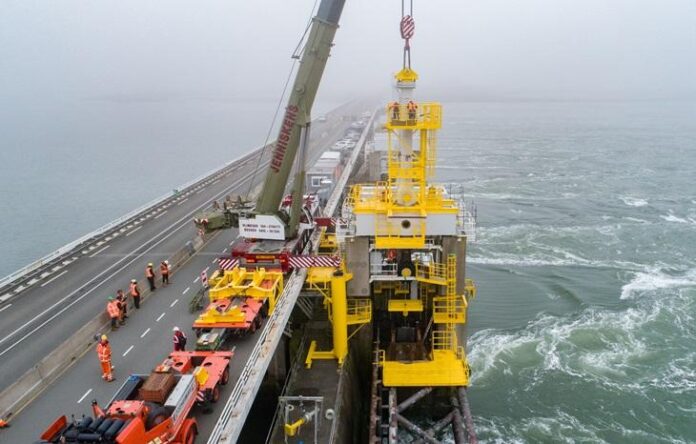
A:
(122, 300)
(164, 271)
(179, 340)
(104, 354)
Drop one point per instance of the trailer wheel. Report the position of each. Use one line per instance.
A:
(216, 394)
(190, 434)
(252, 326)
(225, 377)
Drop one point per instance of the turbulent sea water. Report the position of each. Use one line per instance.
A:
(584, 329)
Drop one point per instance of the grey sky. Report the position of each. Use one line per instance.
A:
(240, 49)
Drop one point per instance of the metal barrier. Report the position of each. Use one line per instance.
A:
(67, 248)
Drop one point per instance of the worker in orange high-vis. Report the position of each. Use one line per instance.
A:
(4, 424)
(114, 312)
(164, 271)
(135, 293)
(412, 108)
(104, 354)
(150, 275)
(394, 106)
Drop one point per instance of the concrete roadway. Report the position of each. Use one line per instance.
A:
(28, 332)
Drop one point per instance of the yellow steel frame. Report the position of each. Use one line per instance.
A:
(405, 306)
(238, 282)
(212, 316)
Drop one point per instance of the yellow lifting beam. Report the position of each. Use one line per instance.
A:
(258, 284)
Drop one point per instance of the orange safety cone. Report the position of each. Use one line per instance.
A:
(4, 424)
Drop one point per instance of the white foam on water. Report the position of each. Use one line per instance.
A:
(656, 279)
(634, 201)
(672, 218)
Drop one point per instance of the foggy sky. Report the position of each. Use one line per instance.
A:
(463, 49)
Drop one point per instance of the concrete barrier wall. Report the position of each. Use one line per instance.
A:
(50, 368)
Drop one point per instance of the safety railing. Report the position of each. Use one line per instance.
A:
(449, 310)
(415, 116)
(445, 340)
(382, 268)
(434, 273)
(359, 311)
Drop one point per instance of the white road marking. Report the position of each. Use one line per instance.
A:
(84, 396)
(182, 201)
(206, 269)
(5, 307)
(182, 222)
(54, 278)
(161, 214)
(200, 191)
(185, 291)
(129, 350)
(134, 231)
(214, 261)
(224, 250)
(215, 182)
(196, 280)
(173, 303)
(97, 252)
(160, 317)
(144, 333)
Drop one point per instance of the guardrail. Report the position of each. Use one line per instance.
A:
(50, 258)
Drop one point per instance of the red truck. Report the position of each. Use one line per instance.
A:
(157, 408)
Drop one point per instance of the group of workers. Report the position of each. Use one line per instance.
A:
(117, 309)
(411, 109)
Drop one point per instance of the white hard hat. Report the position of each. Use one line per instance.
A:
(166, 262)
(175, 329)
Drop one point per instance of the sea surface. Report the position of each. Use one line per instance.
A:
(584, 329)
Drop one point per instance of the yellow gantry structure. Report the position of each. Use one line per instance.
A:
(411, 236)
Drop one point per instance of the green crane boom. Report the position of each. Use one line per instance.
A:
(294, 129)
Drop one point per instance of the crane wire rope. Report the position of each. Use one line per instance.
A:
(295, 57)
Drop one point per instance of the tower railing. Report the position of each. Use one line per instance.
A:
(426, 115)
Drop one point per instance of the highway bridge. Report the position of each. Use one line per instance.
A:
(38, 312)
